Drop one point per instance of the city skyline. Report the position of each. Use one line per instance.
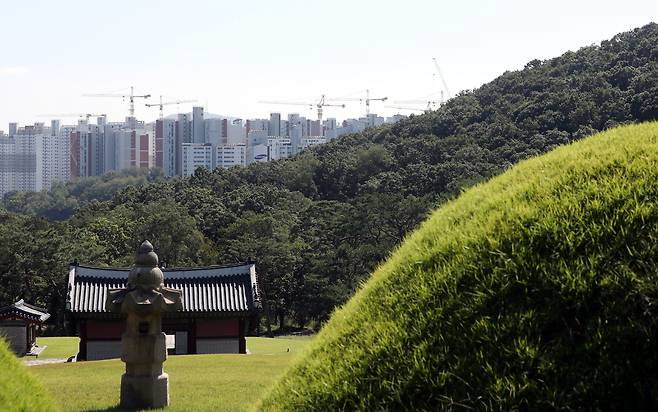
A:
(34, 157)
(229, 57)
(73, 119)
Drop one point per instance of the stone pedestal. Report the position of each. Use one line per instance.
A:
(144, 392)
(144, 385)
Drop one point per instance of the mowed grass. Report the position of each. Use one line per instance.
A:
(60, 347)
(196, 382)
(537, 290)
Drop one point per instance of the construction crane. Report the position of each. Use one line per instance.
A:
(131, 97)
(415, 109)
(429, 103)
(320, 105)
(443, 80)
(367, 99)
(85, 115)
(162, 104)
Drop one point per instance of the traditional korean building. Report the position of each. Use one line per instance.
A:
(18, 325)
(220, 304)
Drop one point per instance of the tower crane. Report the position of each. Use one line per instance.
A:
(320, 105)
(131, 98)
(162, 104)
(429, 103)
(367, 99)
(443, 80)
(85, 115)
(415, 109)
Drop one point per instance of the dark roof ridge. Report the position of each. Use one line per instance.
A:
(171, 269)
(123, 277)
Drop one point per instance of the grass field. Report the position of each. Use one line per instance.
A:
(197, 382)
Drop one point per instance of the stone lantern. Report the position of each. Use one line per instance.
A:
(143, 344)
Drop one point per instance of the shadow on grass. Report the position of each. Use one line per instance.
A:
(115, 408)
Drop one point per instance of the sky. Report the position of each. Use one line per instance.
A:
(230, 56)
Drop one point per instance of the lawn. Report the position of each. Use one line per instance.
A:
(58, 347)
(197, 382)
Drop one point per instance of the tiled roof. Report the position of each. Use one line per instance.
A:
(24, 310)
(227, 289)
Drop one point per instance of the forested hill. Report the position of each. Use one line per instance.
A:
(318, 223)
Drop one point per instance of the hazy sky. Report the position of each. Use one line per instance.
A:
(231, 55)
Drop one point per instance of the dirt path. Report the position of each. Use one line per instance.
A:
(34, 362)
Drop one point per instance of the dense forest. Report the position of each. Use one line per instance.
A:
(318, 223)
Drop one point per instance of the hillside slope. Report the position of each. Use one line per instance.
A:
(19, 391)
(534, 291)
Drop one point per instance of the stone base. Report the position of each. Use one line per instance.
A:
(144, 392)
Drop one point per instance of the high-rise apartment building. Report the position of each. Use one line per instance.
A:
(227, 156)
(235, 132)
(329, 127)
(257, 125)
(21, 164)
(274, 127)
(198, 126)
(215, 132)
(257, 146)
(165, 146)
(56, 158)
(195, 155)
(278, 148)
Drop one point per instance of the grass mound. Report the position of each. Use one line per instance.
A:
(19, 391)
(537, 290)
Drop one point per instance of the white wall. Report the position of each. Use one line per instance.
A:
(228, 345)
(103, 349)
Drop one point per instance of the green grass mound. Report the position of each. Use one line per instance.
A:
(20, 391)
(535, 291)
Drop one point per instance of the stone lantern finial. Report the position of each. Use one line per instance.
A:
(142, 301)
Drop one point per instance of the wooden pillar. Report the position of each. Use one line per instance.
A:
(242, 342)
(28, 340)
(82, 350)
(191, 337)
(33, 335)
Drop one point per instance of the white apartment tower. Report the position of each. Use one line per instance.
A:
(195, 155)
(227, 156)
(56, 159)
(21, 164)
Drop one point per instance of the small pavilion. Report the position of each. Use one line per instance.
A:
(18, 325)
